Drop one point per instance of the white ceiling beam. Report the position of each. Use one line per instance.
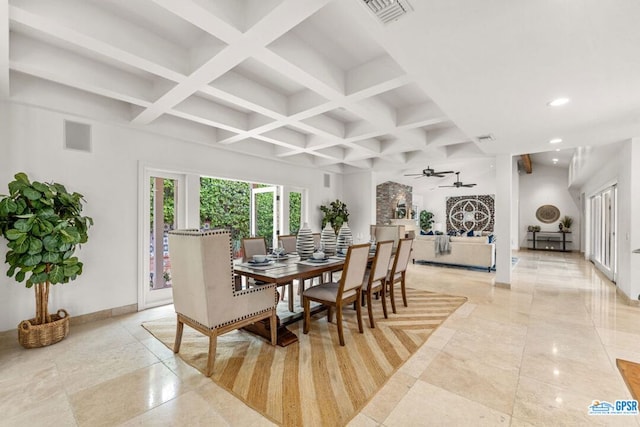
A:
(445, 136)
(308, 102)
(252, 93)
(4, 48)
(413, 116)
(52, 28)
(376, 76)
(215, 114)
(276, 23)
(62, 66)
(375, 111)
(326, 126)
(463, 150)
(286, 136)
(203, 17)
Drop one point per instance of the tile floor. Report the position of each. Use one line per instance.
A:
(537, 354)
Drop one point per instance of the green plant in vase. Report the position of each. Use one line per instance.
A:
(43, 225)
(566, 222)
(426, 220)
(335, 214)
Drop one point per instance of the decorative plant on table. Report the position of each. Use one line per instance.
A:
(566, 222)
(43, 225)
(335, 214)
(426, 220)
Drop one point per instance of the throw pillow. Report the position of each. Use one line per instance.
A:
(492, 238)
(470, 233)
(430, 233)
(422, 233)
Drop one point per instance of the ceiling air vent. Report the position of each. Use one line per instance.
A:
(388, 10)
(485, 138)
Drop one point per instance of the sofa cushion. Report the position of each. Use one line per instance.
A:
(465, 239)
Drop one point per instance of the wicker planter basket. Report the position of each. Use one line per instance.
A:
(33, 336)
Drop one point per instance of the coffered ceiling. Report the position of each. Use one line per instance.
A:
(325, 84)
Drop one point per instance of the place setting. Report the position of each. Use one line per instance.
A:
(262, 262)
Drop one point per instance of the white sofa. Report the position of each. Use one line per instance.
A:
(466, 251)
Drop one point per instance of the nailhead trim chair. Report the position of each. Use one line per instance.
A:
(204, 293)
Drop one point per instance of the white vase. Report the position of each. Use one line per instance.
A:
(328, 240)
(345, 238)
(304, 242)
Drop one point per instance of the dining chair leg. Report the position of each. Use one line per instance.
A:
(359, 314)
(329, 314)
(213, 343)
(179, 329)
(370, 309)
(392, 296)
(339, 322)
(384, 299)
(273, 325)
(307, 314)
(404, 291)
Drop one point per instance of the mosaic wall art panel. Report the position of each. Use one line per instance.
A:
(470, 213)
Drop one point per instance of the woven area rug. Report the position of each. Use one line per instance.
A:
(316, 381)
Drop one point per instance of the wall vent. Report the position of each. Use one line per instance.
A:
(327, 180)
(77, 136)
(486, 138)
(388, 10)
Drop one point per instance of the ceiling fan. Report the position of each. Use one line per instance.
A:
(429, 172)
(457, 183)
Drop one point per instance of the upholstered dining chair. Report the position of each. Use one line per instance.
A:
(253, 246)
(376, 276)
(288, 242)
(204, 295)
(398, 271)
(339, 294)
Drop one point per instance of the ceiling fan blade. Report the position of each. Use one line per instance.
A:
(442, 186)
(443, 172)
(468, 185)
(413, 174)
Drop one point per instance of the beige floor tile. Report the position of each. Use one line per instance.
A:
(189, 409)
(427, 404)
(125, 397)
(388, 397)
(52, 411)
(469, 377)
(362, 420)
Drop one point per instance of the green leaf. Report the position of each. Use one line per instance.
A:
(40, 268)
(51, 257)
(71, 270)
(35, 246)
(23, 225)
(56, 274)
(21, 245)
(31, 193)
(11, 271)
(13, 234)
(8, 206)
(51, 243)
(22, 206)
(40, 186)
(22, 177)
(20, 276)
(39, 278)
(31, 260)
(67, 254)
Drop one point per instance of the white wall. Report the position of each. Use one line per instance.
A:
(434, 199)
(108, 178)
(359, 193)
(547, 185)
(622, 170)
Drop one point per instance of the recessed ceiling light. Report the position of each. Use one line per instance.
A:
(555, 141)
(557, 149)
(554, 160)
(558, 102)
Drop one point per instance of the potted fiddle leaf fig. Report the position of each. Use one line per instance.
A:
(426, 220)
(43, 225)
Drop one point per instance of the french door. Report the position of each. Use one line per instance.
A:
(163, 210)
(603, 250)
(265, 213)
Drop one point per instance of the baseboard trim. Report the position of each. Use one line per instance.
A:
(502, 285)
(624, 297)
(103, 314)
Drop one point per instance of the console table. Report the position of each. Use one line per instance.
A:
(550, 240)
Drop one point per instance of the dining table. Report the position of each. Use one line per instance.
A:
(283, 270)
